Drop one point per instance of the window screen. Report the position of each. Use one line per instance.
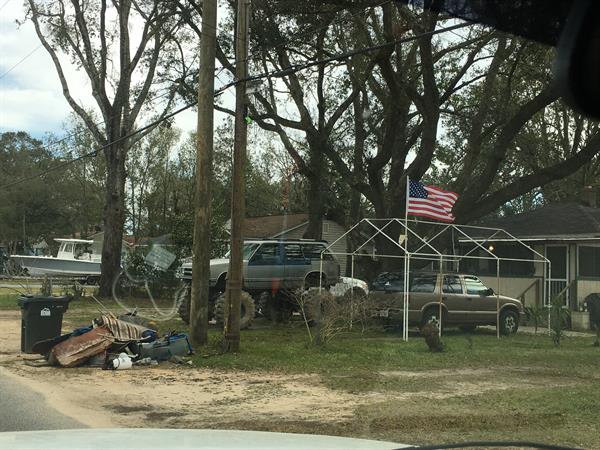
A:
(589, 261)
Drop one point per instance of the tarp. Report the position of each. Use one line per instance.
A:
(124, 331)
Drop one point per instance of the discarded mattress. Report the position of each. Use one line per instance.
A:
(78, 349)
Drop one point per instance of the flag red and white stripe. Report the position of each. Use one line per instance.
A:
(430, 201)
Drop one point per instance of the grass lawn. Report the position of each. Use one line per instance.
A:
(519, 387)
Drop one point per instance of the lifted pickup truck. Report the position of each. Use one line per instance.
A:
(465, 301)
(271, 269)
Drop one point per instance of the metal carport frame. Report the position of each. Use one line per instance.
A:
(427, 251)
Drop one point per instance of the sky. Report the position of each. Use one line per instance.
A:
(31, 97)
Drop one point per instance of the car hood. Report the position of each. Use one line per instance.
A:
(175, 439)
(219, 261)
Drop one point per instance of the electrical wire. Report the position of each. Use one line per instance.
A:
(218, 70)
(20, 61)
(4, 4)
(271, 74)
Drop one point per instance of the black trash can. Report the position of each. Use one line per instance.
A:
(41, 319)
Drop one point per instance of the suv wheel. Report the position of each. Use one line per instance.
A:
(509, 322)
(246, 314)
(432, 316)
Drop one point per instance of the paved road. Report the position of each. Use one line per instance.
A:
(24, 410)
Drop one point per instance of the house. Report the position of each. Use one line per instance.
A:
(567, 234)
(293, 226)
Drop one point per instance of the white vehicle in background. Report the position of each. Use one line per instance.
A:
(348, 285)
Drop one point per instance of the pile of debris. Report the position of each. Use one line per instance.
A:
(115, 343)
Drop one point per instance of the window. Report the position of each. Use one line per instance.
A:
(474, 286)
(69, 248)
(248, 250)
(267, 254)
(423, 283)
(313, 252)
(293, 252)
(507, 268)
(589, 261)
(452, 285)
(389, 281)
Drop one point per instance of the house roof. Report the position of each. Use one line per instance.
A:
(554, 221)
(270, 226)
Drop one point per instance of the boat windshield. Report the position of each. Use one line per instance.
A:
(83, 250)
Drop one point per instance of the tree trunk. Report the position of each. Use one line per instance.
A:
(114, 216)
(314, 230)
(316, 177)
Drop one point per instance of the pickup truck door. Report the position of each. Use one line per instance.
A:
(265, 268)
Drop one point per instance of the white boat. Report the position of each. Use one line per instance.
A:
(75, 257)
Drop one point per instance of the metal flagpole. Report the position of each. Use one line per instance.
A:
(406, 263)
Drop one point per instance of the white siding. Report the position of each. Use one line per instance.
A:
(515, 286)
(331, 232)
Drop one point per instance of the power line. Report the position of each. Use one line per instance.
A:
(4, 4)
(21, 60)
(272, 74)
(218, 70)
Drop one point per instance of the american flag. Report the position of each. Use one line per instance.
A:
(430, 201)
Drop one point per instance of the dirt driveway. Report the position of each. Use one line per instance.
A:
(401, 405)
(171, 395)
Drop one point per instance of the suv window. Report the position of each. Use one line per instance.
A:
(267, 254)
(423, 283)
(474, 286)
(293, 252)
(313, 252)
(390, 281)
(452, 285)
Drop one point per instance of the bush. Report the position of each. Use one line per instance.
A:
(325, 315)
(535, 315)
(559, 317)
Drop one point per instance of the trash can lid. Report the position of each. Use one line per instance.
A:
(26, 300)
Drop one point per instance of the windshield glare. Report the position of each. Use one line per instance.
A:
(416, 205)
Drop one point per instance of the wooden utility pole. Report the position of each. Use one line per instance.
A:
(204, 161)
(238, 205)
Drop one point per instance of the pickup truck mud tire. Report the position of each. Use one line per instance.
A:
(276, 308)
(312, 300)
(185, 300)
(247, 312)
(185, 303)
(509, 322)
